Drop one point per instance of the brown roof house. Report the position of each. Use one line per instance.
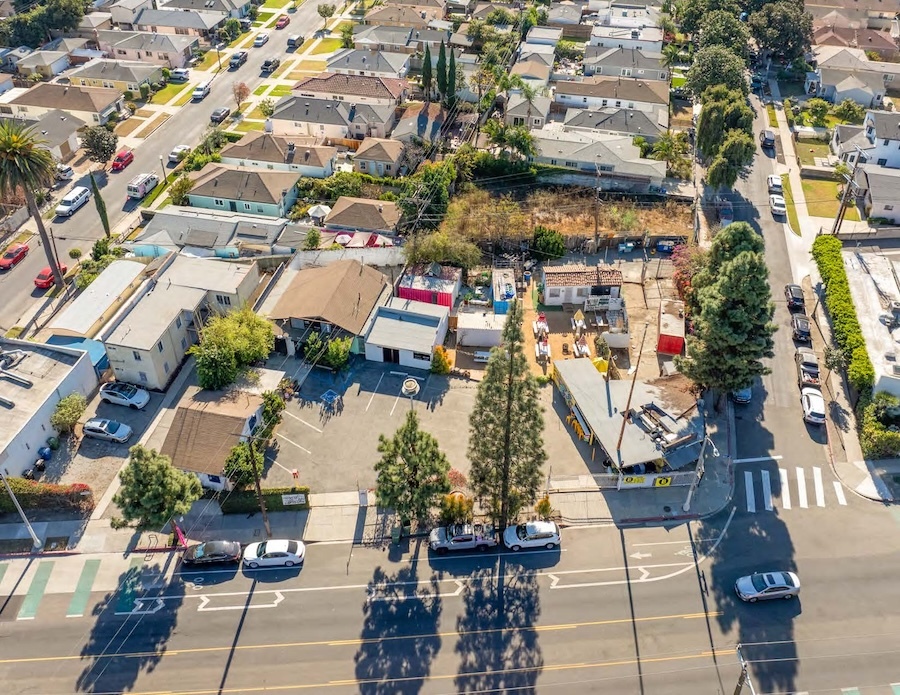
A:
(403, 16)
(364, 215)
(615, 92)
(338, 298)
(207, 424)
(357, 89)
(267, 151)
(242, 189)
(92, 105)
(378, 157)
(574, 283)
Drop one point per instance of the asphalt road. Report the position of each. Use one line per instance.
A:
(186, 126)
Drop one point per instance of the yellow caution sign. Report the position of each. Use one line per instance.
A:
(663, 482)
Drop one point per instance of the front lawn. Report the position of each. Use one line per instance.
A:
(169, 92)
(210, 60)
(280, 90)
(678, 80)
(246, 126)
(276, 4)
(326, 46)
(822, 199)
(793, 88)
(259, 91)
(185, 98)
(808, 150)
(791, 206)
(773, 118)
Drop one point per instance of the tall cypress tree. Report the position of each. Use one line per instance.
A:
(506, 446)
(451, 79)
(427, 75)
(441, 76)
(101, 206)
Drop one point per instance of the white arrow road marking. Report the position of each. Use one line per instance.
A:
(639, 555)
(204, 600)
(158, 604)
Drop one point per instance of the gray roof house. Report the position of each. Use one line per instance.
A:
(624, 62)
(614, 121)
(93, 106)
(279, 153)
(59, 131)
(880, 192)
(242, 189)
(520, 112)
(170, 50)
(47, 64)
(231, 8)
(126, 75)
(327, 118)
(371, 63)
(423, 122)
(878, 138)
(184, 22)
(379, 38)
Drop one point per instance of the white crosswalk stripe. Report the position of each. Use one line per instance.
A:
(760, 495)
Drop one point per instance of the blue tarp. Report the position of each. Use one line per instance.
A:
(94, 348)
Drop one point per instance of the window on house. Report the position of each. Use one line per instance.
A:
(888, 207)
(259, 208)
(618, 104)
(606, 167)
(387, 167)
(183, 343)
(421, 356)
(247, 206)
(136, 355)
(885, 143)
(177, 322)
(573, 165)
(159, 346)
(581, 292)
(584, 100)
(142, 376)
(882, 162)
(121, 52)
(223, 299)
(269, 166)
(166, 367)
(218, 201)
(149, 54)
(554, 292)
(603, 103)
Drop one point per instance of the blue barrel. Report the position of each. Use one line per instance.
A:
(45, 452)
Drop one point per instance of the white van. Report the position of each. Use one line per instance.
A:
(73, 200)
(141, 185)
(201, 92)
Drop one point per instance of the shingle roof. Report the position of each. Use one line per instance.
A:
(266, 147)
(883, 184)
(69, 98)
(226, 6)
(588, 149)
(235, 183)
(886, 123)
(363, 214)
(309, 110)
(623, 57)
(350, 85)
(380, 150)
(147, 41)
(119, 70)
(615, 120)
(55, 127)
(867, 39)
(369, 60)
(652, 92)
(518, 105)
(437, 4)
(532, 68)
(382, 35)
(41, 58)
(343, 294)
(181, 19)
(404, 15)
(422, 120)
(579, 275)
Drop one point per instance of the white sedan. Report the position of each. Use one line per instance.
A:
(813, 405)
(118, 393)
(779, 207)
(774, 183)
(534, 534)
(179, 153)
(260, 39)
(274, 553)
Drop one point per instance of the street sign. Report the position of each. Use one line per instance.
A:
(289, 500)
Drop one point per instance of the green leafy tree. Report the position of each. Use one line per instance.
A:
(99, 143)
(735, 153)
(68, 412)
(240, 462)
(782, 27)
(232, 28)
(721, 28)
(313, 239)
(506, 446)
(100, 204)
(691, 13)
(674, 149)
(547, 244)
(266, 107)
(442, 247)
(441, 72)
(716, 65)
(818, 111)
(337, 352)
(314, 347)
(217, 365)
(180, 188)
(723, 110)
(326, 11)
(213, 140)
(153, 491)
(230, 342)
(347, 36)
(849, 111)
(520, 140)
(412, 472)
(27, 167)
(427, 74)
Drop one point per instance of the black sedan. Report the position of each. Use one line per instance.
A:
(220, 114)
(794, 296)
(800, 328)
(212, 552)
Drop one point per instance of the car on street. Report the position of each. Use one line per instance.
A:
(271, 65)
(211, 553)
(179, 75)
(794, 296)
(294, 42)
(14, 254)
(462, 537)
(44, 279)
(800, 328)
(774, 183)
(120, 393)
(778, 205)
(178, 153)
(110, 430)
(762, 586)
(767, 139)
(533, 534)
(742, 396)
(72, 201)
(807, 367)
(260, 39)
(220, 114)
(201, 91)
(274, 553)
(238, 59)
(64, 172)
(813, 405)
(122, 160)
(282, 22)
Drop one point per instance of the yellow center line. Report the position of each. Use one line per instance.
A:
(354, 642)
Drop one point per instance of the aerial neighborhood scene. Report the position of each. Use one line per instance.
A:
(450, 346)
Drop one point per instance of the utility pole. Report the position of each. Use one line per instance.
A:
(38, 544)
(744, 678)
(851, 183)
(53, 242)
(259, 495)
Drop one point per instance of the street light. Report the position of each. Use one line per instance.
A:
(410, 388)
(701, 465)
(219, 56)
(163, 167)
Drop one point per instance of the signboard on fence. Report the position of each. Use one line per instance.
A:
(655, 480)
(289, 500)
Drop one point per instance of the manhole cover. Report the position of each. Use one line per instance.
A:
(667, 508)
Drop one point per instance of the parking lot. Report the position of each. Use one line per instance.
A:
(335, 450)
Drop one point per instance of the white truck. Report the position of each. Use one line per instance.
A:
(462, 537)
(807, 368)
(141, 185)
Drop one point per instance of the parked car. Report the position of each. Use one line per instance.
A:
(533, 534)
(64, 172)
(179, 75)
(778, 205)
(110, 430)
(762, 586)
(201, 91)
(807, 367)
(775, 184)
(767, 139)
(282, 22)
(120, 393)
(271, 65)
(742, 396)
(14, 254)
(220, 114)
(813, 405)
(274, 553)
(122, 160)
(800, 328)
(73, 200)
(261, 39)
(724, 210)
(794, 296)
(141, 185)
(238, 59)
(44, 279)
(294, 42)
(212, 552)
(178, 153)
(462, 537)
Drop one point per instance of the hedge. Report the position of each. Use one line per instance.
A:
(877, 439)
(33, 494)
(245, 502)
(826, 251)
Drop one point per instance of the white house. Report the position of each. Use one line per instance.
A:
(648, 38)
(354, 89)
(549, 36)
(877, 139)
(331, 118)
(574, 283)
(406, 331)
(280, 153)
(880, 188)
(352, 61)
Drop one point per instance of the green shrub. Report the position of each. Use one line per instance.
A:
(826, 251)
(440, 361)
(245, 502)
(68, 412)
(33, 494)
(877, 415)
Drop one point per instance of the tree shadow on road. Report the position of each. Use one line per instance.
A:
(498, 643)
(400, 633)
(131, 629)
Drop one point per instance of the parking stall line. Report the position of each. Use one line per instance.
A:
(767, 491)
(785, 489)
(820, 488)
(801, 489)
(751, 497)
(839, 493)
(372, 397)
(291, 441)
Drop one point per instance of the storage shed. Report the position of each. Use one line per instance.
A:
(670, 327)
(479, 329)
(431, 283)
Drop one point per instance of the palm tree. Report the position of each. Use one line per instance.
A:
(521, 141)
(673, 148)
(26, 164)
(497, 133)
(529, 94)
(671, 54)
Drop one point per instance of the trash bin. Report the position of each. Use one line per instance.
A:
(53, 443)
(45, 453)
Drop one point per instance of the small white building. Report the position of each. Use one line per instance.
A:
(648, 38)
(405, 332)
(479, 328)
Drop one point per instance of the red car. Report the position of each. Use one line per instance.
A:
(44, 278)
(282, 22)
(122, 160)
(13, 255)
